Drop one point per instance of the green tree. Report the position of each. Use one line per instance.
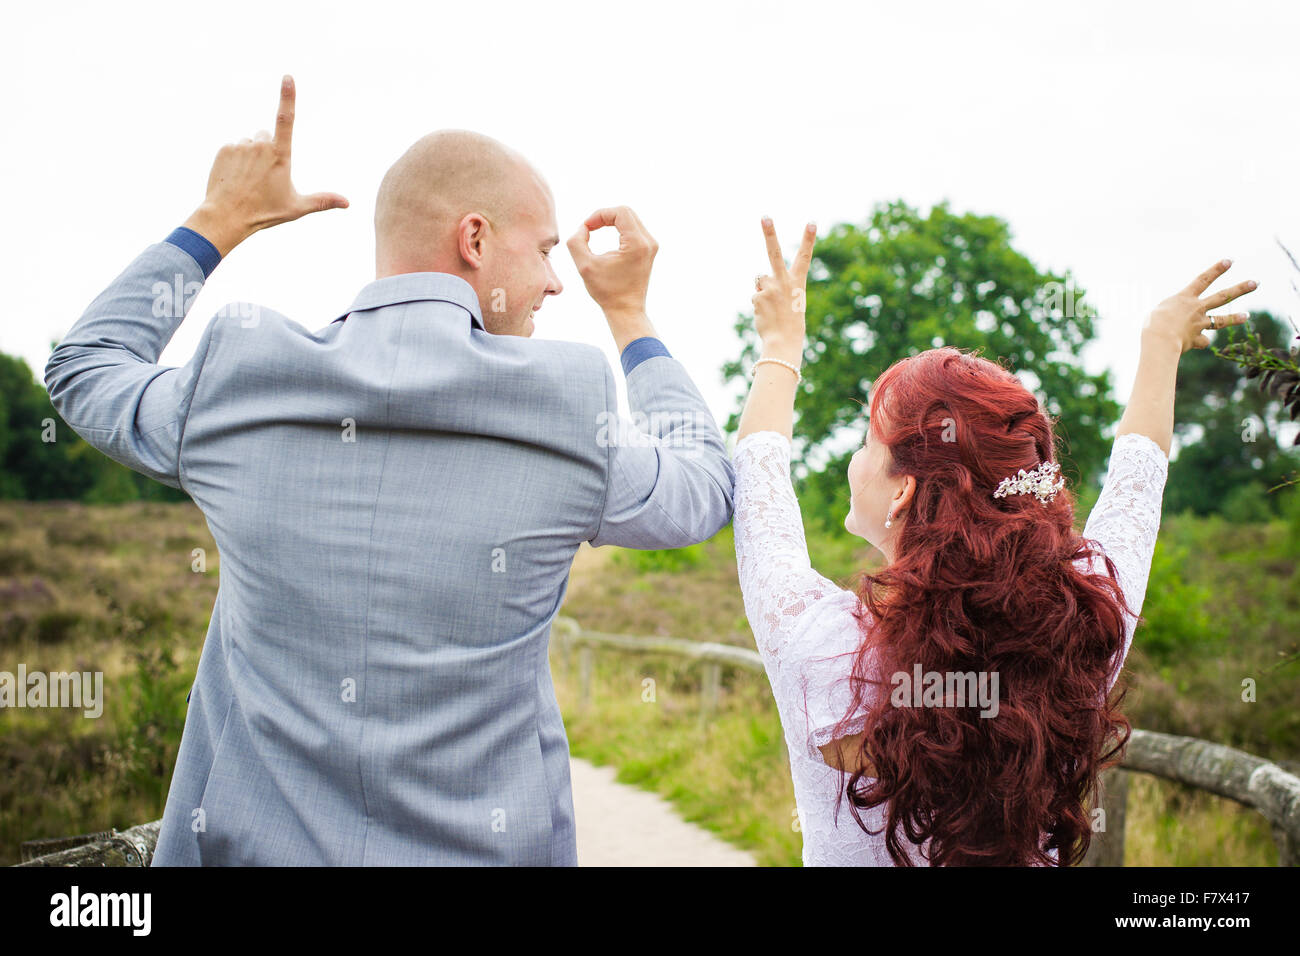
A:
(903, 283)
(31, 466)
(1228, 443)
(36, 468)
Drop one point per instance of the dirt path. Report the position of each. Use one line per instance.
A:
(621, 825)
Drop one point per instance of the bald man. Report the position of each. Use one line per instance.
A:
(397, 498)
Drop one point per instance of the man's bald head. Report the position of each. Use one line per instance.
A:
(434, 185)
(462, 203)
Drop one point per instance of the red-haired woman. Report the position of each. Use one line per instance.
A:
(960, 697)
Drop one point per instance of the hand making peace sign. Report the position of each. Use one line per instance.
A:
(780, 302)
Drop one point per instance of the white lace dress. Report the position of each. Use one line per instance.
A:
(806, 633)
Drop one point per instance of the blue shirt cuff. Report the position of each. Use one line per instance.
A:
(638, 350)
(203, 251)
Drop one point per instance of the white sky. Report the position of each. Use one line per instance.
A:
(1132, 143)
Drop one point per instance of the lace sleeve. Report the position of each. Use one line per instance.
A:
(824, 679)
(1126, 519)
(805, 625)
(776, 578)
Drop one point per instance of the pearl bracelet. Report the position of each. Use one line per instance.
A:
(790, 365)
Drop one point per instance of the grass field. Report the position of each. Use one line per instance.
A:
(115, 589)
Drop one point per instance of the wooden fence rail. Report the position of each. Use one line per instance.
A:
(1249, 780)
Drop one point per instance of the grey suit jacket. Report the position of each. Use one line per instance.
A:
(397, 499)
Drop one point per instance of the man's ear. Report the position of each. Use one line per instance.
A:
(470, 237)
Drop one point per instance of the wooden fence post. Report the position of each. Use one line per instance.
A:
(1107, 845)
(709, 691)
(586, 661)
(566, 629)
(1288, 847)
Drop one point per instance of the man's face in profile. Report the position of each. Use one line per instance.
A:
(527, 275)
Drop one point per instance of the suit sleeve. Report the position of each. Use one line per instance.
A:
(103, 378)
(669, 481)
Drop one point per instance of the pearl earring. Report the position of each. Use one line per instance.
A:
(889, 520)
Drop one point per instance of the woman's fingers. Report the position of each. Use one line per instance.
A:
(1203, 281)
(1227, 295)
(773, 248)
(1197, 288)
(803, 258)
(1223, 321)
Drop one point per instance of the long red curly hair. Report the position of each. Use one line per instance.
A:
(985, 584)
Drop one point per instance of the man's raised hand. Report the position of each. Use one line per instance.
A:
(249, 187)
(618, 280)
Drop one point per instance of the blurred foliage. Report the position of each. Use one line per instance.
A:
(671, 559)
(67, 467)
(149, 734)
(112, 589)
(1174, 611)
(1229, 452)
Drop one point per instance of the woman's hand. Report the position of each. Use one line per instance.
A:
(1182, 317)
(781, 299)
(779, 320)
(1174, 326)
